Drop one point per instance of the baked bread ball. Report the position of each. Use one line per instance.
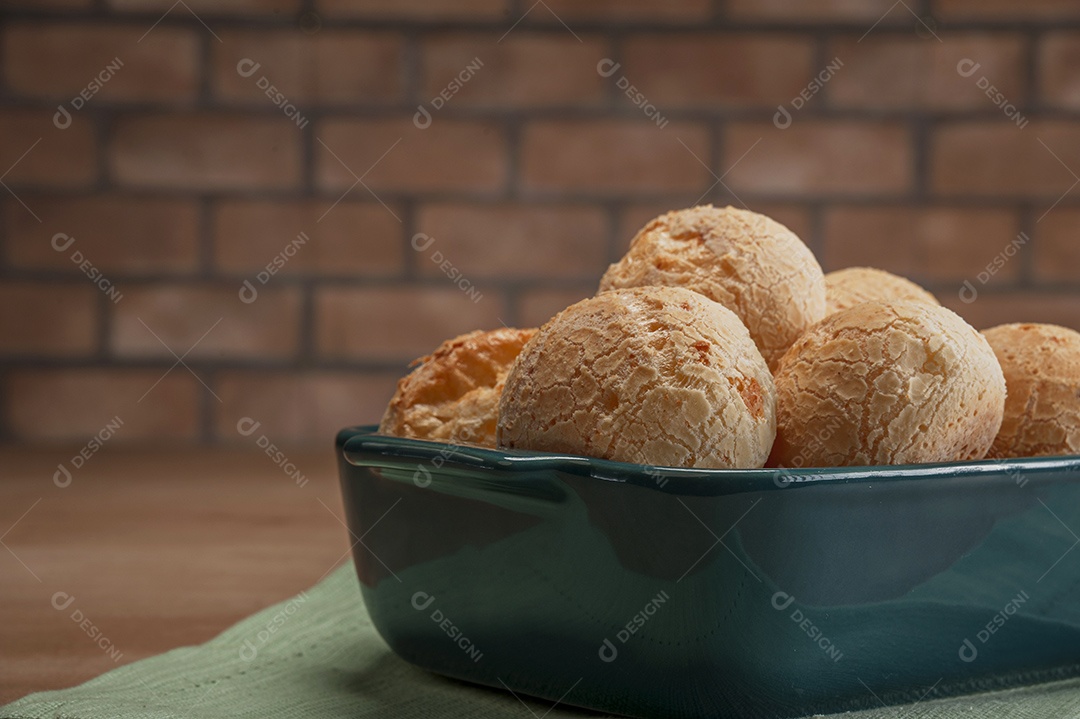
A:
(652, 375)
(747, 262)
(846, 288)
(1042, 371)
(453, 396)
(887, 383)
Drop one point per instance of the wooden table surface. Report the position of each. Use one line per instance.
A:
(156, 549)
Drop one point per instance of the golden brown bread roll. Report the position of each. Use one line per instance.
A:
(652, 375)
(1042, 371)
(453, 396)
(846, 288)
(887, 383)
(747, 262)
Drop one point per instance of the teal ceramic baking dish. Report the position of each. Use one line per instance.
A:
(665, 592)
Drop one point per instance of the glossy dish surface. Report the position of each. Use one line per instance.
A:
(716, 593)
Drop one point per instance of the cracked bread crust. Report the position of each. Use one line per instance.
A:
(747, 262)
(846, 288)
(1042, 371)
(652, 375)
(887, 383)
(453, 396)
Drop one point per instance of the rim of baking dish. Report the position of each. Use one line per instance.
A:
(362, 446)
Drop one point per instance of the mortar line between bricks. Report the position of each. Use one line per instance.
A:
(616, 246)
(103, 328)
(558, 198)
(205, 404)
(762, 114)
(717, 134)
(233, 281)
(46, 363)
(306, 338)
(410, 226)
(6, 433)
(919, 137)
(204, 98)
(618, 51)
(103, 131)
(817, 229)
(206, 239)
(540, 24)
(1032, 97)
(512, 134)
(512, 308)
(308, 186)
(412, 71)
(1027, 222)
(719, 9)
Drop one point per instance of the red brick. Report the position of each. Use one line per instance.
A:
(860, 11)
(1000, 159)
(281, 8)
(929, 78)
(47, 318)
(394, 155)
(33, 152)
(329, 66)
(399, 323)
(513, 241)
(993, 309)
(616, 11)
(1059, 55)
(297, 408)
(614, 156)
(352, 238)
(524, 69)
(815, 157)
(115, 232)
(934, 244)
(636, 216)
(1006, 9)
(180, 314)
(428, 10)
(1057, 251)
(71, 405)
(715, 70)
(206, 152)
(539, 305)
(58, 61)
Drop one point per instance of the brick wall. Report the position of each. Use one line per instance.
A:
(179, 179)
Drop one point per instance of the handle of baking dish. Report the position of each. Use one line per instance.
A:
(466, 470)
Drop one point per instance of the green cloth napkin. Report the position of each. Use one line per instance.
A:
(317, 656)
